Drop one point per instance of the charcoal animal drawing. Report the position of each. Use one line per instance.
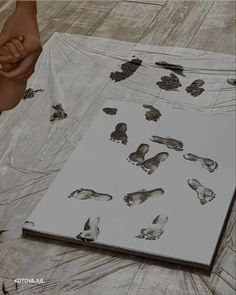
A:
(195, 88)
(169, 82)
(204, 194)
(91, 230)
(138, 157)
(177, 69)
(128, 69)
(206, 163)
(231, 81)
(59, 113)
(152, 113)
(89, 194)
(170, 143)
(139, 197)
(29, 93)
(150, 165)
(110, 111)
(119, 135)
(154, 231)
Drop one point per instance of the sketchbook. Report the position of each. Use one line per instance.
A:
(145, 180)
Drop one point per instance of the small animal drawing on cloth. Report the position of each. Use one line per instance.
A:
(89, 194)
(138, 157)
(204, 194)
(29, 93)
(59, 114)
(154, 231)
(169, 83)
(195, 88)
(206, 163)
(141, 196)
(152, 113)
(119, 135)
(110, 111)
(91, 230)
(177, 69)
(231, 81)
(169, 142)
(128, 69)
(150, 165)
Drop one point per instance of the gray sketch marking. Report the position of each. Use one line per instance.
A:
(154, 231)
(110, 111)
(138, 157)
(195, 88)
(29, 223)
(128, 69)
(59, 113)
(231, 81)
(204, 194)
(91, 230)
(206, 163)
(141, 196)
(119, 135)
(169, 83)
(29, 93)
(177, 69)
(89, 194)
(152, 114)
(170, 143)
(150, 165)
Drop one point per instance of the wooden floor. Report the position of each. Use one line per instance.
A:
(208, 25)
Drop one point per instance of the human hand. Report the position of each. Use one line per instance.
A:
(23, 22)
(10, 52)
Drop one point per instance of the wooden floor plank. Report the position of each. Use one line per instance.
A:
(217, 32)
(177, 23)
(79, 17)
(153, 2)
(127, 21)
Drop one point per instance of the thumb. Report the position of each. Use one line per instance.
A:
(4, 38)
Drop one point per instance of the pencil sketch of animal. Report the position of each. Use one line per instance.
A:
(119, 135)
(91, 230)
(89, 194)
(231, 81)
(169, 82)
(138, 157)
(152, 113)
(195, 88)
(204, 194)
(154, 231)
(170, 143)
(141, 196)
(206, 163)
(29, 93)
(150, 165)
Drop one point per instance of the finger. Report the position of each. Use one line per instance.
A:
(21, 38)
(19, 45)
(10, 67)
(13, 49)
(4, 38)
(24, 67)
